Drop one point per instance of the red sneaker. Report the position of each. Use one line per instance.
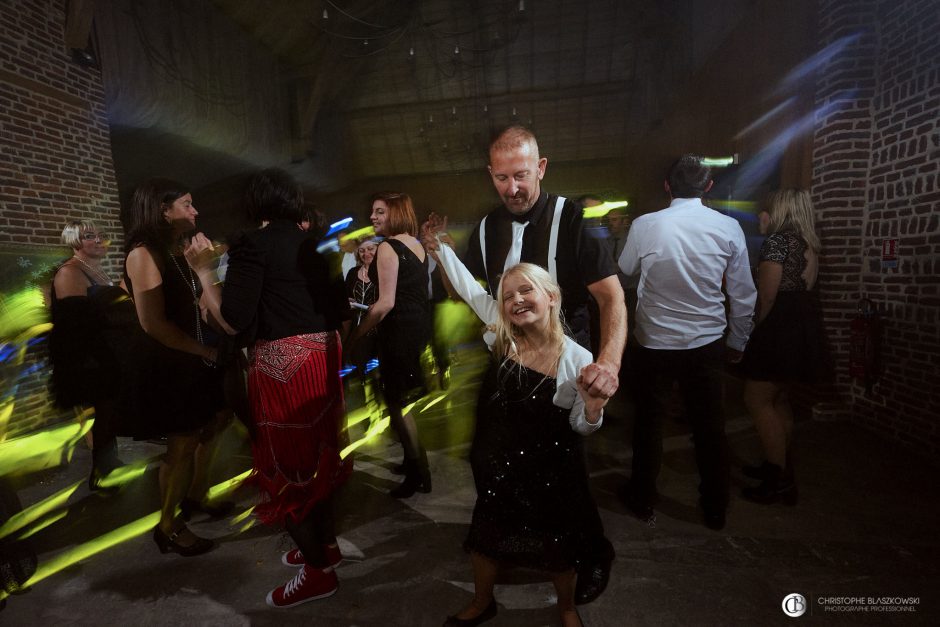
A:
(309, 584)
(295, 558)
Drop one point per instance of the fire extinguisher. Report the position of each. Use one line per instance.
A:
(865, 345)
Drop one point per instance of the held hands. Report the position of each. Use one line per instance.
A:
(596, 384)
(200, 253)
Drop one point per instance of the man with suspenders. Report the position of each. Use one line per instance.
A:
(537, 227)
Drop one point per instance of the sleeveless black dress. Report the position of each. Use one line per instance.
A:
(788, 345)
(528, 469)
(170, 391)
(404, 333)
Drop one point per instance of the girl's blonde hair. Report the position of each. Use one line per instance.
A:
(506, 332)
(792, 209)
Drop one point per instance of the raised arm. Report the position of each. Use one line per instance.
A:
(463, 283)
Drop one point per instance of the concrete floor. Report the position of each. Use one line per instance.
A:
(866, 526)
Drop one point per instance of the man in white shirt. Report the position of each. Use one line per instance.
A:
(688, 256)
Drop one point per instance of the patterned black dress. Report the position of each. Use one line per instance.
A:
(788, 345)
(404, 333)
(528, 468)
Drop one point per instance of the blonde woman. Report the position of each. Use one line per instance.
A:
(527, 457)
(786, 343)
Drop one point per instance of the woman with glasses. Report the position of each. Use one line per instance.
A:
(362, 293)
(80, 359)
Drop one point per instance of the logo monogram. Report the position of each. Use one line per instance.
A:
(794, 605)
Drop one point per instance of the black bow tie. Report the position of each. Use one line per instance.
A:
(522, 218)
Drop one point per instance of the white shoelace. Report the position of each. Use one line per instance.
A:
(295, 583)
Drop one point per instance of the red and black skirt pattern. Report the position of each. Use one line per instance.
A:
(296, 398)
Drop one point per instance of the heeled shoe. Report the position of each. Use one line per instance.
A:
(189, 506)
(97, 483)
(479, 619)
(167, 543)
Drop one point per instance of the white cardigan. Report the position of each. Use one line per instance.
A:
(573, 356)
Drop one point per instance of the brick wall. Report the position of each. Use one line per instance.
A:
(55, 157)
(876, 176)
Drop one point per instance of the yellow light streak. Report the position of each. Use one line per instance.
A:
(47, 449)
(36, 511)
(227, 486)
(601, 210)
(434, 402)
(369, 435)
(366, 231)
(39, 526)
(240, 517)
(83, 551)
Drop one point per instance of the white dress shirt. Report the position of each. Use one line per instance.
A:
(682, 254)
(574, 357)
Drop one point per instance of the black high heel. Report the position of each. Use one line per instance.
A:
(479, 619)
(189, 506)
(417, 477)
(167, 543)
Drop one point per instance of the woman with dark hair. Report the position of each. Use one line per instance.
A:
(180, 387)
(402, 314)
(279, 288)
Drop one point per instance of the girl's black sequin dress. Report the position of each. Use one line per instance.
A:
(528, 468)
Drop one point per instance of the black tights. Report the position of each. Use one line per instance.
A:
(314, 532)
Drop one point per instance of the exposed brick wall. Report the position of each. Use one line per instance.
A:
(55, 155)
(876, 176)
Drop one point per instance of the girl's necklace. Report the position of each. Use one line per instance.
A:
(97, 273)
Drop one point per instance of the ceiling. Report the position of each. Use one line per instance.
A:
(411, 87)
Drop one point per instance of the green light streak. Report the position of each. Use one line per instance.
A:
(227, 486)
(434, 402)
(717, 162)
(601, 210)
(49, 520)
(240, 517)
(36, 511)
(366, 231)
(369, 435)
(125, 474)
(87, 549)
(39, 451)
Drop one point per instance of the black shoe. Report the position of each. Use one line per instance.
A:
(412, 483)
(479, 619)
(776, 486)
(97, 483)
(643, 511)
(759, 472)
(189, 506)
(592, 581)
(714, 517)
(167, 543)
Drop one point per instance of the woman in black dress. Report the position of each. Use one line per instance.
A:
(402, 314)
(786, 344)
(82, 364)
(179, 388)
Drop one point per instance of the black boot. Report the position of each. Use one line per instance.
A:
(759, 471)
(417, 477)
(776, 486)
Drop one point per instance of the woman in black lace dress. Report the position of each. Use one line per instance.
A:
(402, 314)
(786, 344)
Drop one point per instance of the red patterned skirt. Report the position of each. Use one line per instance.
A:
(296, 398)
